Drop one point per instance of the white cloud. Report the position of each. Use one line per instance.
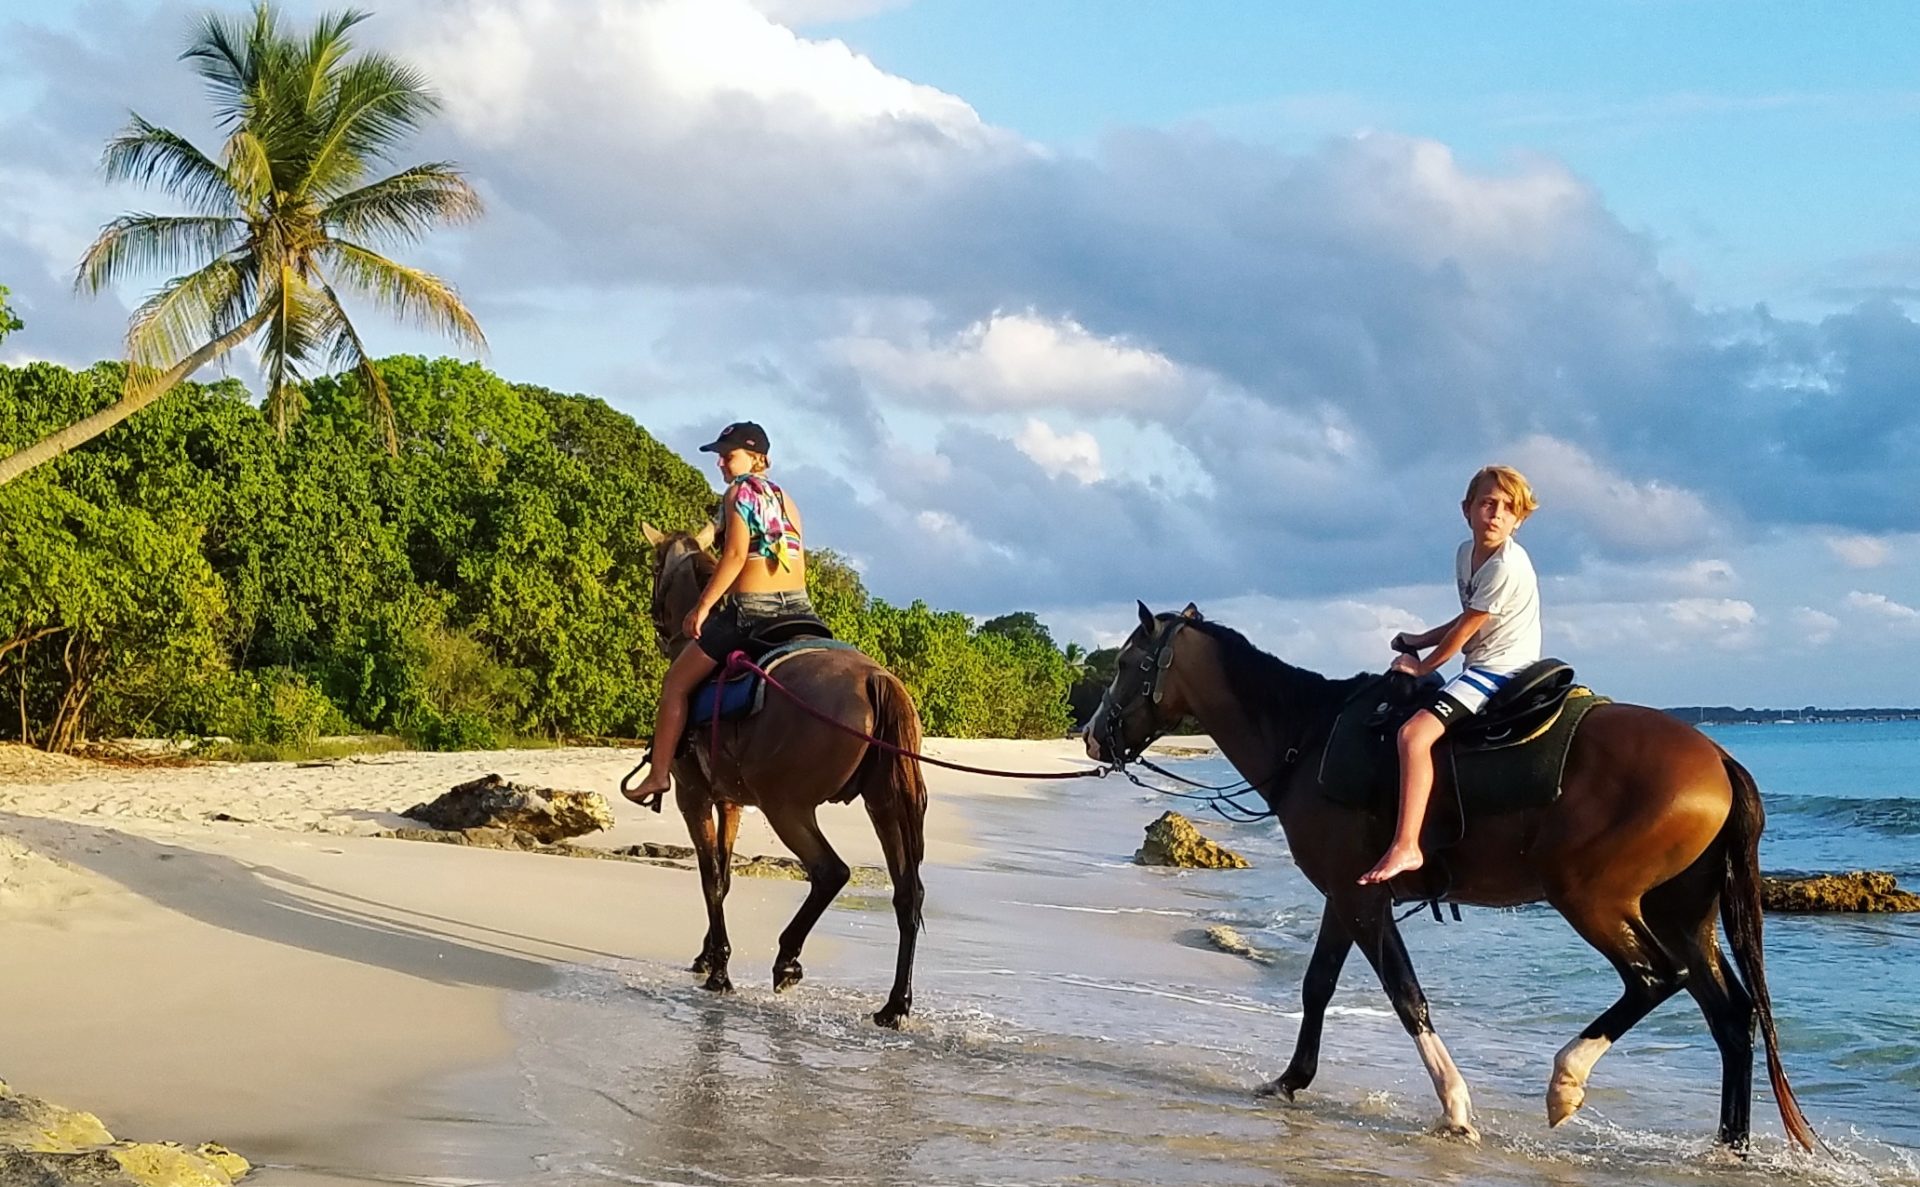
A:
(806, 12)
(1722, 622)
(1860, 552)
(1817, 626)
(1637, 517)
(1076, 454)
(1884, 608)
(1019, 360)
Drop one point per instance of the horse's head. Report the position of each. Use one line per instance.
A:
(682, 562)
(1145, 699)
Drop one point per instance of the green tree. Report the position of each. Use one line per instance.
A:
(8, 321)
(287, 216)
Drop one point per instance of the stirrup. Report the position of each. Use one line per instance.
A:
(654, 801)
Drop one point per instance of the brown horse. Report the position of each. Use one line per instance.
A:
(1656, 830)
(787, 763)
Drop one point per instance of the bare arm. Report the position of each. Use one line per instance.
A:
(733, 558)
(1410, 644)
(1451, 638)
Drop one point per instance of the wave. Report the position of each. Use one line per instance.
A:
(1893, 816)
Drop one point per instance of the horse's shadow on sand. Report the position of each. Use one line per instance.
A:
(273, 904)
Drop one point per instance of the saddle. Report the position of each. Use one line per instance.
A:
(743, 693)
(1506, 758)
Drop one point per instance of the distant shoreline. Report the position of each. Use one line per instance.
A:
(1728, 715)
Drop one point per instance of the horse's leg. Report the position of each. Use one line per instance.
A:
(1379, 940)
(901, 839)
(712, 827)
(1330, 950)
(798, 829)
(1649, 973)
(1683, 914)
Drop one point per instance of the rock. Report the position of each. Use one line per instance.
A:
(32, 1123)
(45, 1145)
(1228, 940)
(1859, 890)
(1173, 841)
(541, 813)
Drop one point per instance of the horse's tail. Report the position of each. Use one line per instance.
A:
(895, 775)
(1740, 912)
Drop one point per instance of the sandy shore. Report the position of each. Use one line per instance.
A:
(227, 952)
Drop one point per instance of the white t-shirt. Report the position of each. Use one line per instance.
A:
(1506, 588)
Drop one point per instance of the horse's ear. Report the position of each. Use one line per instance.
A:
(704, 537)
(654, 535)
(1146, 615)
(1192, 612)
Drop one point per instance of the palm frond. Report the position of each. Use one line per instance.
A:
(138, 243)
(294, 332)
(408, 293)
(406, 205)
(327, 45)
(184, 314)
(226, 52)
(348, 353)
(149, 155)
(376, 102)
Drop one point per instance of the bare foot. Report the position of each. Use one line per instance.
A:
(649, 789)
(1398, 861)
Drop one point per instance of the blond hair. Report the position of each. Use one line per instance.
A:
(1507, 481)
(760, 462)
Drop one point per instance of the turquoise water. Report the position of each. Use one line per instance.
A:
(1072, 1026)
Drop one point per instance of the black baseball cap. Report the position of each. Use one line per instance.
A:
(739, 435)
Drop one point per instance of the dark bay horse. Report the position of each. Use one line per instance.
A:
(787, 763)
(1656, 832)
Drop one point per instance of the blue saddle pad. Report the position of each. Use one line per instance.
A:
(743, 695)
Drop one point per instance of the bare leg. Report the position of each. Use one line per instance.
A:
(1417, 738)
(688, 669)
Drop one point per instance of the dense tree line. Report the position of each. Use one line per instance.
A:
(194, 573)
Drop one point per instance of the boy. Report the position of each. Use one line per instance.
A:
(1498, 629)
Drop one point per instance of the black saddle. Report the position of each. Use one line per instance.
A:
(1529, 702)
(777, 632)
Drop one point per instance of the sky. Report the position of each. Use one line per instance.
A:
(1053, 306)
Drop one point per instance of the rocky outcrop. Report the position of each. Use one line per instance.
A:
(44, 1145)
(1857, 891)
(649, 852)
(1173, 841)
(1228, 940)
(541, 813)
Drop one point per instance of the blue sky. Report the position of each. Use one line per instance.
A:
(1055, 305)
(1767, 146)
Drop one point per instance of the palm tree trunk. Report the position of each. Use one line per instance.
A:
(82, 431)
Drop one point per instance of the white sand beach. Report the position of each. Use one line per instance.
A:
(226, 952)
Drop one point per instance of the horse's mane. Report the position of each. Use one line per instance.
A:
(1269, 687)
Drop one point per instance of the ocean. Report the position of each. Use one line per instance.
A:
(1073, 1026)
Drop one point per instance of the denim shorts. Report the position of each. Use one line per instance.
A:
(731, 625)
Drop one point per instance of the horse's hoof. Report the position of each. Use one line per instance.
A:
(891, 1016)
(1458, 1132)
(1564, 1098)
(1279, 1088)
(719, 982)
(786, 976)
(701, 965)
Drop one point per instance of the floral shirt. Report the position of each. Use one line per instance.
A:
(757, 498)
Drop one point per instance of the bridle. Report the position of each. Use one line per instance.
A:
(1222, 798)
(1153, 667)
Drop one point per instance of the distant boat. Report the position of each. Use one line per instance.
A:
(1786, 721)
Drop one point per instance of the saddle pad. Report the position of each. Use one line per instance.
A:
(744, 693)
(1361, 766)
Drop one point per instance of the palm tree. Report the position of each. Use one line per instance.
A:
(284, 220)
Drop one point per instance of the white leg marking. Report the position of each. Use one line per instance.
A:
(1449, 1085)
(1567, 1090)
